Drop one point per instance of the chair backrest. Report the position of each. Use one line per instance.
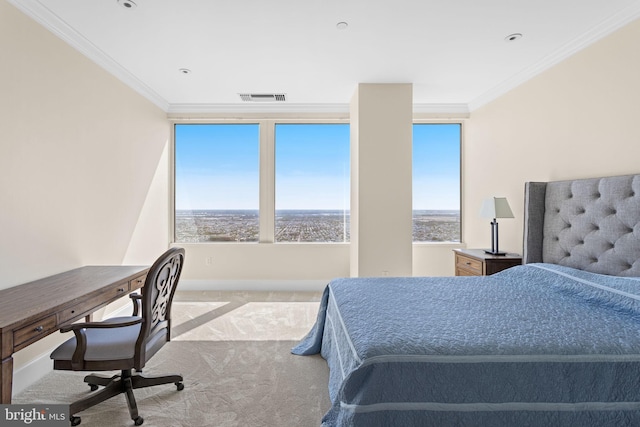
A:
(157, 296)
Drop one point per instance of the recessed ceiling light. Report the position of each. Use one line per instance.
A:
(342, 25)
(513, 37)
(127, 4)
(184, 70)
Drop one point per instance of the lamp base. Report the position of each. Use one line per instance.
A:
(496, 253)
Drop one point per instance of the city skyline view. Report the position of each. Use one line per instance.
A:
(218, 187)
(206, 226)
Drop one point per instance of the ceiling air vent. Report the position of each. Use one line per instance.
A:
(263, 97)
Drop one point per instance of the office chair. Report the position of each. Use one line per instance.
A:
(125, 343)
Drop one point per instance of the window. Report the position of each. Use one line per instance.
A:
(436, 182)
(216, 182)
(219, 196)
(312, 182)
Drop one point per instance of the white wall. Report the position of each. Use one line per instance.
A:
(79, 154)
(577, 119)
(263, 266)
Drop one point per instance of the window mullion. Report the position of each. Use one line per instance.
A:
(267, 181)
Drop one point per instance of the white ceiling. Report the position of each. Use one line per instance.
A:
(453, 51)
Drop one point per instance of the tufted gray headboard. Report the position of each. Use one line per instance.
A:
(588, 224)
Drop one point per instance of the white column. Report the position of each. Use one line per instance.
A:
(381, 180)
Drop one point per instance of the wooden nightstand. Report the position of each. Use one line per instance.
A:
(475, 262)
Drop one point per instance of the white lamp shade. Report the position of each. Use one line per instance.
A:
(496, 207)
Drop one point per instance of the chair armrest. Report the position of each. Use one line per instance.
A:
(136, 299)
(77, 360)
(97, 325)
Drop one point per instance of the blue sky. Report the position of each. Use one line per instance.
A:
(217, 166)
(436, 166)
(312, 166)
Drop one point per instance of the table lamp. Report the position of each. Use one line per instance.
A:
(495, 207)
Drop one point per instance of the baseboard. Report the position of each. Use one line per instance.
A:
(253, 285)
(32, 372)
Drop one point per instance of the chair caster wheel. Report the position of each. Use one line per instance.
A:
(138, 421)
(75, 421)
(93, 387)
(180, 386)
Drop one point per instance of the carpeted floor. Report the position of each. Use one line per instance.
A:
(233, 350)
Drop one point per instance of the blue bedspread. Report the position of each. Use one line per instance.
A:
(534, 345)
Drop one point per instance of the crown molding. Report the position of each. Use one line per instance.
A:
(36, 10)
(596, 33)
(440, 110)
(257, 107)
(45, 17)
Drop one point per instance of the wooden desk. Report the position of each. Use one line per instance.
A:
(36, 309)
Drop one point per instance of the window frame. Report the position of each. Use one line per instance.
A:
(266, 171)
(461, 123)
(275, 125)
(266, 174)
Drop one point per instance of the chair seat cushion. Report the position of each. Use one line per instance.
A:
(104, 343)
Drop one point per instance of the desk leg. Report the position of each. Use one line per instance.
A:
(6, 380)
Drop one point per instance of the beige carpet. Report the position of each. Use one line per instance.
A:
(233, 350)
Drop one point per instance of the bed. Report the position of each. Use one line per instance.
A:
(554, 342)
